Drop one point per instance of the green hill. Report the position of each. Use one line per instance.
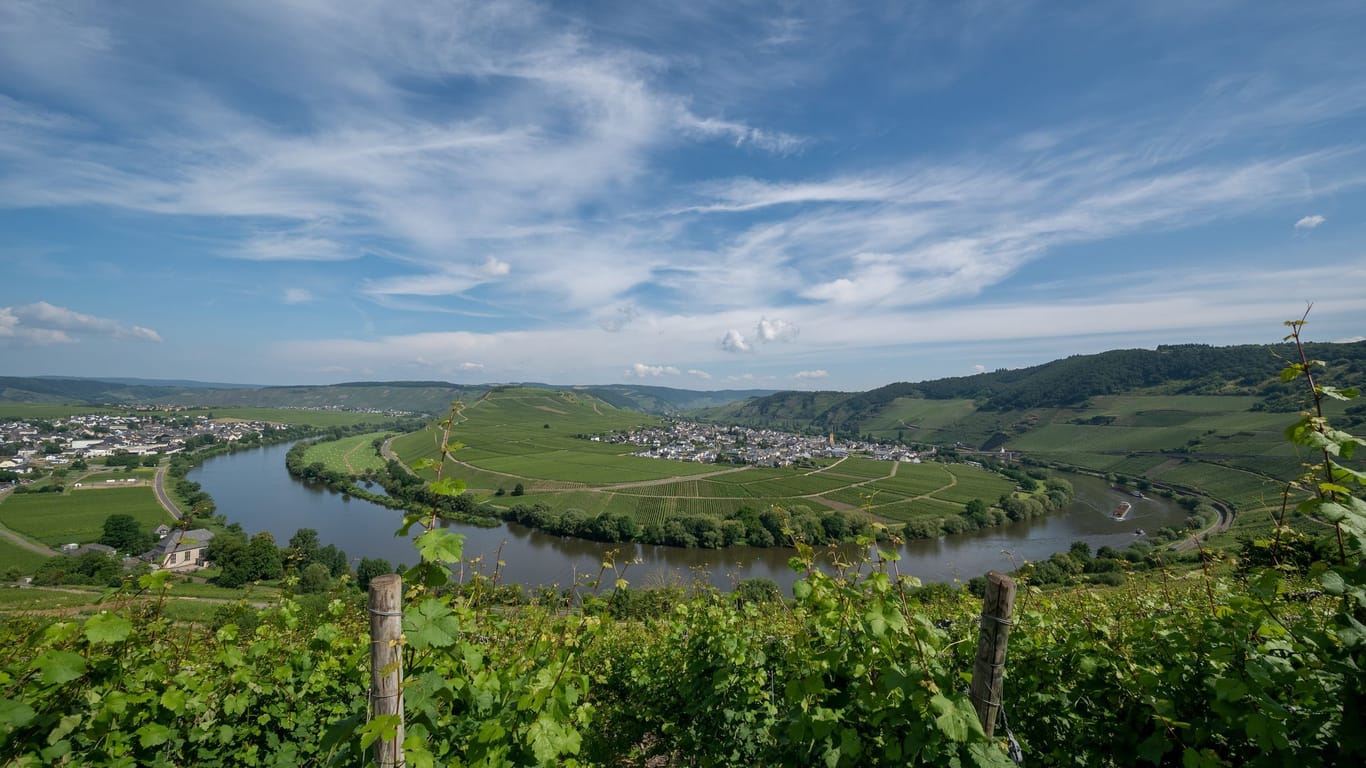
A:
(1207, 418)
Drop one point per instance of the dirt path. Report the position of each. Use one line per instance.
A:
(26, 544)
(95, 597)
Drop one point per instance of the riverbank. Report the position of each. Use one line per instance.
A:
(254, 489)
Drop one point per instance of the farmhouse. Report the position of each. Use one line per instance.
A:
(180, 550)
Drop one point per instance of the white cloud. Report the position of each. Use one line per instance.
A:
(1350, 340)
(42, 323)
(288, 247)
(467, 366)
(776, 330)
(734, 341)
(494, 268)
(643, 371)
(979, 368)
(1310, 222)
(420, 285)
(298, 296)
(699, 373)
(816, 374)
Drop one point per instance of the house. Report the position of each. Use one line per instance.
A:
(162, 530)
(180, 550)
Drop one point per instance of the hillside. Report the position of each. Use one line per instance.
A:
(430, 397)
(1207, 418)
(538, 441)
(1187, 369)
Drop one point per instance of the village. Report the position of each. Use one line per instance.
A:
(32, 447)
(712, 443)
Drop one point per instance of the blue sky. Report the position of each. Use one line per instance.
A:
(704, 195)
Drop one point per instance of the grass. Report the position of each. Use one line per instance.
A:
(53, 410)
(315, 418)
(14, 556)
(353, 455)
(506, 441)
(39, 599)
(78, 516)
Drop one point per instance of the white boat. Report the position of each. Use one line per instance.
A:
(1122, 511)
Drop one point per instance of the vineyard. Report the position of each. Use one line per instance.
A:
(859, 669)
(1253, 661)
(536, 439)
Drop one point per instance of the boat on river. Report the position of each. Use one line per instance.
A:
(1122, 511)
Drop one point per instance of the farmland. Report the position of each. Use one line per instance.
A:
(78, 516)
(353, 455)
(1228, 446)
(535, 438)
(310, 417)
(14, 556)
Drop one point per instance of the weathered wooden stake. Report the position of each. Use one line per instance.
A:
(386, 662)
(990, 665)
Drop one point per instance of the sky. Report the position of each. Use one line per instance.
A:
(705, 195)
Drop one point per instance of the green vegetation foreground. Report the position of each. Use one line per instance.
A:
(1261, 666)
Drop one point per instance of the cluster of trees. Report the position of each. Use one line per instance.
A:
(242, 560)
(94, 568)
(772, 527)
(130, 460)
(122, 532)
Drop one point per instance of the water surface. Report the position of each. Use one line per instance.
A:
(254, 489)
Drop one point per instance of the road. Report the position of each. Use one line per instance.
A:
(159, 486)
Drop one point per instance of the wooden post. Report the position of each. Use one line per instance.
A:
(386, 662)
(990, 665)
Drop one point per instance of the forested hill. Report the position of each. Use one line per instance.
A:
(417, 396)
(667, 400)
(1188, 369)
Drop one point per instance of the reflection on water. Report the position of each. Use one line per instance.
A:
(254, 489)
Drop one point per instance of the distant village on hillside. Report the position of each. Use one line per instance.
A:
(45, 444)
(711, 443)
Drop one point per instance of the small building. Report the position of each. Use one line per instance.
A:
(162, 530)
(103, 549)
(180, 550)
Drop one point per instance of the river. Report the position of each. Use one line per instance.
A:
(254, 489)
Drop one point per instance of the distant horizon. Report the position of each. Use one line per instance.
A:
(490, 383)
(763, 195)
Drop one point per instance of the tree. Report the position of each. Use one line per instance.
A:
(303, 548)
(369, 568)
(263, 557)
(123, 534)
(518, 490)
(314, 579)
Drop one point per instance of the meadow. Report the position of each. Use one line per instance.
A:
(312, 418)
(52, 410)
(78, 515)
(14, 556)
(353, 455)
(1218, 444)
(536, 438)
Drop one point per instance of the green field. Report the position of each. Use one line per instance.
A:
(527, 437)
(1212, 443)
(14, 556)
(316, 418)
(78, 515)
(53, 410)
(353, 455)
